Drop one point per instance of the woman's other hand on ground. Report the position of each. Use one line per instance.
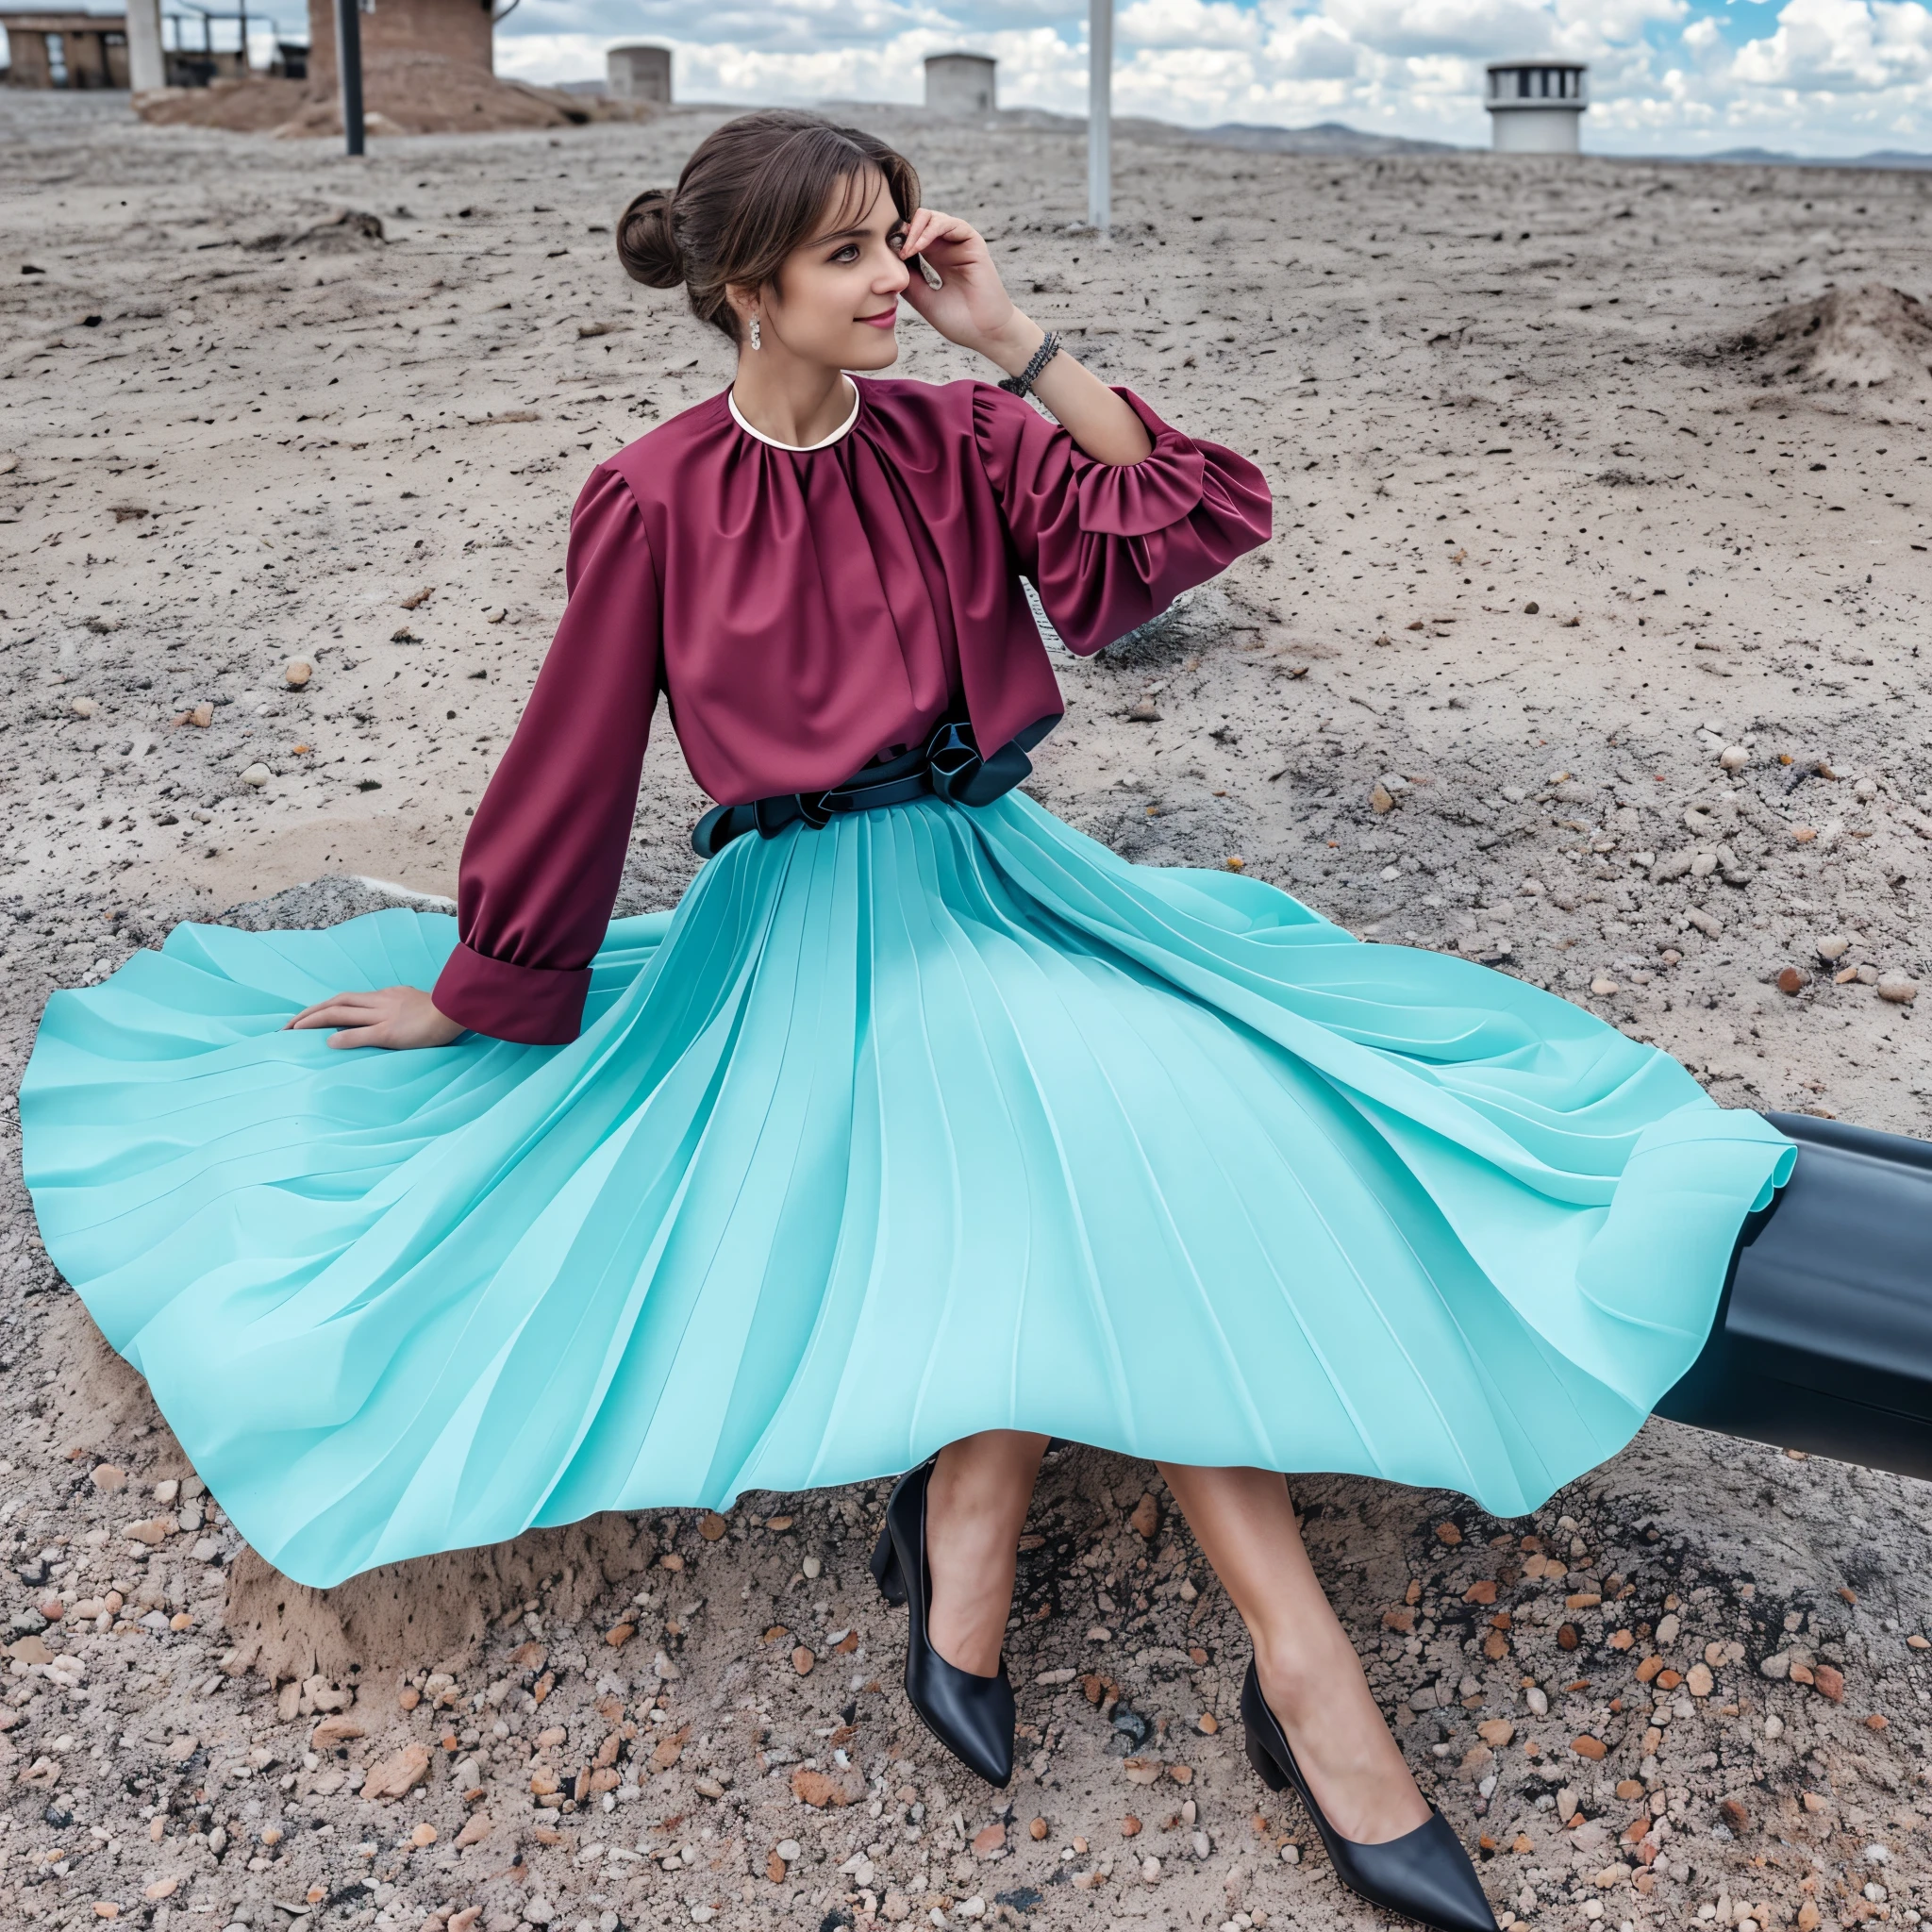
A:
(392, 1016)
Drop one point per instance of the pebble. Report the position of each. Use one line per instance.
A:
(398, 1773)
(1794, 979)
(257, 774)
(1832, 946)
(1899, 990)
(1145, 712)
(84, 707)
(1734, 757)
(1603, 986)
(297, 672)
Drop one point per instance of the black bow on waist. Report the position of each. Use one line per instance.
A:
(949, 765)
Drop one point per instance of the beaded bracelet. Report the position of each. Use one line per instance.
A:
(1048, 349)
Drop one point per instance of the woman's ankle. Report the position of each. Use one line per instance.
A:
(1294, 1673)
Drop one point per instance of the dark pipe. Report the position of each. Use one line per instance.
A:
(1822, 1339)
(349, 65)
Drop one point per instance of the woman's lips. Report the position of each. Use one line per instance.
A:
(884, 320)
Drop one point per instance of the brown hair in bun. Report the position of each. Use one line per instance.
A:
(645, 243)
(752, 192)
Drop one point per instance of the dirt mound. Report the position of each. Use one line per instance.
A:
(1843, 338)
(348, 230)
(412, 93)
(243, 106)
(436, 1610)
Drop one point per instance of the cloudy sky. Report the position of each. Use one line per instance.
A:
(1822, 77)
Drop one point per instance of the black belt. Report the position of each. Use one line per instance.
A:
(948, 765)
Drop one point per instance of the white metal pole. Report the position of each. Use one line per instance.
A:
(146, 66)
(1100, 114)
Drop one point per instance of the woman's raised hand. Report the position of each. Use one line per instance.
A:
(393, 1016)
(973, 308)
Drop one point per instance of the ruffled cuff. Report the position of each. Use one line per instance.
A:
(537, 1005)
(1137, 499)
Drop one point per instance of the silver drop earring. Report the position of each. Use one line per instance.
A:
(755, 332)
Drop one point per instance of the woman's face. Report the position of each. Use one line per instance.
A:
(838, 298)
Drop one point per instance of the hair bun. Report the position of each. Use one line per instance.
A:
(647, 242)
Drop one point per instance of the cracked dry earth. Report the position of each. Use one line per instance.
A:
(1588, 644)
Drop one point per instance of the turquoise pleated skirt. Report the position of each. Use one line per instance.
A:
(934, 1121)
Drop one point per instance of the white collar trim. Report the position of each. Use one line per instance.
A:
(731, 402)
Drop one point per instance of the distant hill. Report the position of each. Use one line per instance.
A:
(1771, 157)
(1329, 138)
(1325, 138)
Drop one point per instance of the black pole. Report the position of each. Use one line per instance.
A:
(349, 66)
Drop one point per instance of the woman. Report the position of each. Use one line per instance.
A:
(925, 1127)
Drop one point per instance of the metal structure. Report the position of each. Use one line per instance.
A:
(349, 71)
(1536, 107)
(1100, 114)
(186, 66)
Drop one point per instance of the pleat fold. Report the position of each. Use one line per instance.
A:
(933, 1121)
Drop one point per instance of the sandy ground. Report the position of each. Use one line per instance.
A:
(1563, 516)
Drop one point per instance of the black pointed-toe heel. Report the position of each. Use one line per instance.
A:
(1425, 1875)
(972, 1716)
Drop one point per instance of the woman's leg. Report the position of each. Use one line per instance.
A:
(976, 1508)
(1310, 1674)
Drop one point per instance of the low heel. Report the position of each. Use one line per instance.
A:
(1265, 1767)
(885, 1570)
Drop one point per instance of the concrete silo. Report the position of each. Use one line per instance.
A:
(960, 84)
(1537, 107)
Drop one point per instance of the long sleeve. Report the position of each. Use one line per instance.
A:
(545, 854)
(1109, 545)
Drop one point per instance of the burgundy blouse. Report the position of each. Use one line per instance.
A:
(802, 610)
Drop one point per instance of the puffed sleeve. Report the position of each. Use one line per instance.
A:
(545, 854)
(1109, 545)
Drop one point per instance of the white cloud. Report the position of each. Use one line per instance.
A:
(1668, 76)
(1609, 21)
(1188, 24)
(1476, 29)
(1842, 47)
